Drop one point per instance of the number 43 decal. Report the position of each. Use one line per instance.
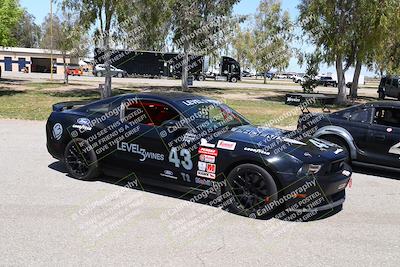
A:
(185, 160)
(395, 149)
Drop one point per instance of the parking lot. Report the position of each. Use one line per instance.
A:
(48, 218)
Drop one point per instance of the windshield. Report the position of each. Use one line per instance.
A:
(213, 115)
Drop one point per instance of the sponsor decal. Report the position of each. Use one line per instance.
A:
(202, 181)
(346, 173)
(189, 137)
(255, 150)
(342, 186)
(211, 168)
(294, 142)
(57, 131)
(202, 166)
(205, 143)
(136, 149)
(207, 158)
(338, 151)
(226, 145)
(82, 127)
(169, 174)
(83, 121)
(192, 102)
(208, 151)
(206, 175)
(293, 99)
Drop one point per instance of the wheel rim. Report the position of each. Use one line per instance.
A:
(249, 189)
(78, 159)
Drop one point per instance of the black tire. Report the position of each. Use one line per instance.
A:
(120, 75)
(340, 142)
(234, 80)
(99, 74)
(251, 187)
(81, 160)
(200, 78)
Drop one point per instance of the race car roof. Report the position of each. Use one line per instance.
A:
(383, 104)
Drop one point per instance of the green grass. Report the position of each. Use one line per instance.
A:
(45, 85)
(30, 105)
(36, 104)
(271, 113)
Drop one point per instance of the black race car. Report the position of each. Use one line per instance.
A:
(192, 142)
(369, 133)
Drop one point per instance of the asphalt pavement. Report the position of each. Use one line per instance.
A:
(48, 218)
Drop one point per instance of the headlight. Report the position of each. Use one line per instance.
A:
(309, 169)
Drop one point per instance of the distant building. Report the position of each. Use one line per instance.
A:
(17, 59)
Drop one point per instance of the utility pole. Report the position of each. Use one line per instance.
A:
(51, 40)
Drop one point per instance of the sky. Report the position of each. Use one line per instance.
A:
(40, 8)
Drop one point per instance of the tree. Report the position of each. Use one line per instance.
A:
(104, 15)
(153, 17)
(27, 33)
(272, 37)
(310, 82)
(386, 56)
(197, 23)
(373, 23)
(328, 25)
(10, 14)
(243, 42)
(66, 36)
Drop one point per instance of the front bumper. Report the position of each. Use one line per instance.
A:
(318, 193)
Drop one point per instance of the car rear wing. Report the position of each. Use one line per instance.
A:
(60, 107)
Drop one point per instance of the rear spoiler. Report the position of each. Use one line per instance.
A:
(59, 107)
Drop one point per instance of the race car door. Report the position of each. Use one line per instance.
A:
(141, 148)
(384, 137)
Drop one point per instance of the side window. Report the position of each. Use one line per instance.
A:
(361, 115)
(151, 113)
(387, 117)
(396, 83)
(99, 109)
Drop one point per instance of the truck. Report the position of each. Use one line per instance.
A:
(152, 64)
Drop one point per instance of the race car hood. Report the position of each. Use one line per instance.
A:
(277, 141)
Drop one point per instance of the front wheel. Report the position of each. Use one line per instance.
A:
(252, 188)
(120, 75)
(81, 160)
(234, 80)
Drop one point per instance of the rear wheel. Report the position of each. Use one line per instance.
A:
(120, 75)
(201, 78)
(81, 160)
(252, 187)
(234, 79)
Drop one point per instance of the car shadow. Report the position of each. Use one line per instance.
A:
(162, 191)
(376, 172)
